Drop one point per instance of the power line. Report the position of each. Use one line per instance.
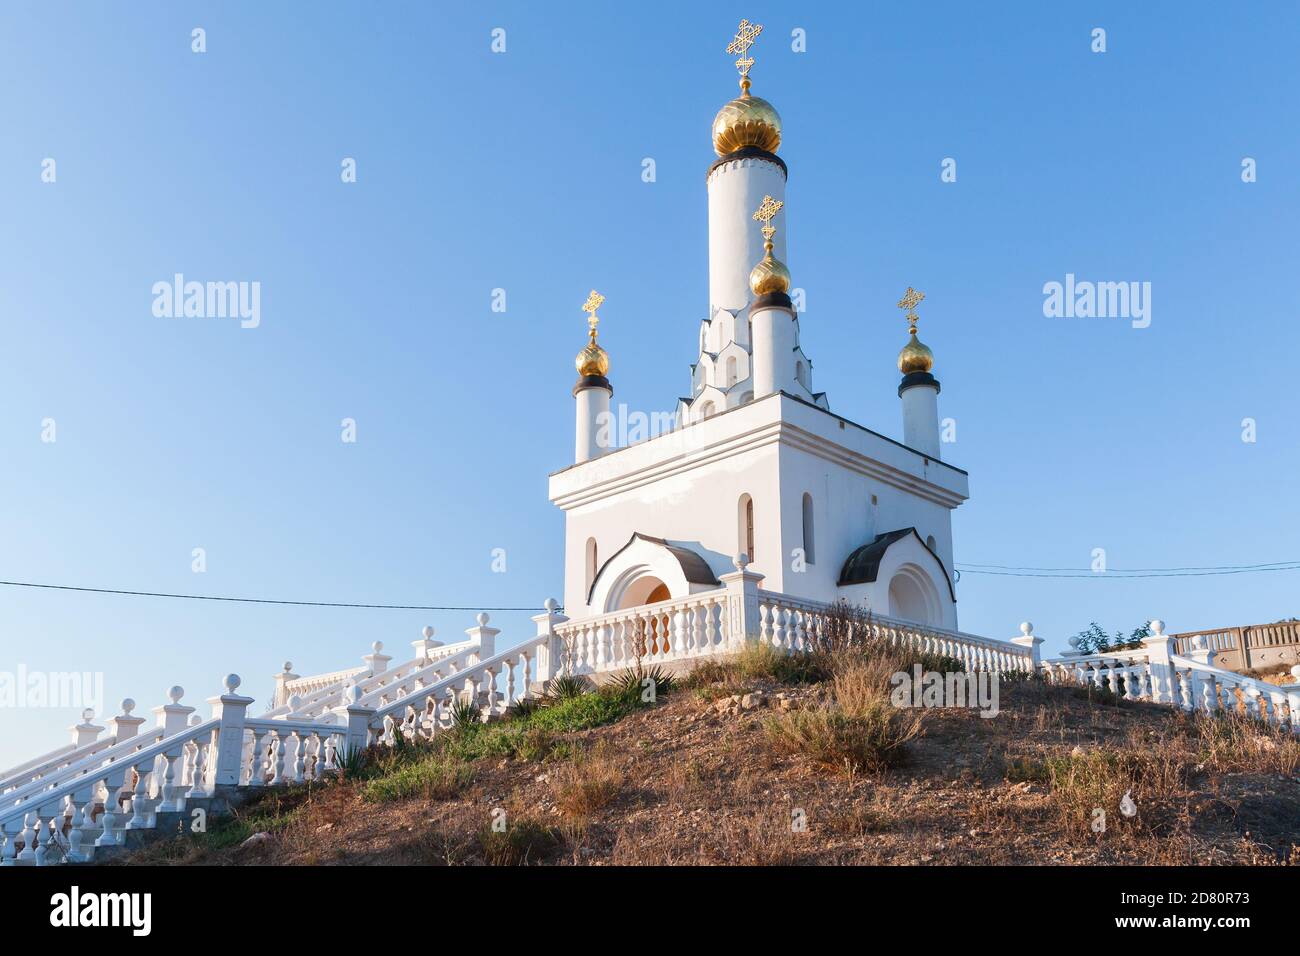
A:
(1212, 567)
(1116, 575)
(244, 600)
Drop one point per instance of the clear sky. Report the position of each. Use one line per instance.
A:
(522, 171)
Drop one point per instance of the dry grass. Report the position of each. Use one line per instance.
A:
(587, 783)
(681, 783)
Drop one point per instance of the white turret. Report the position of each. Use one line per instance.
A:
(774, 325)
(593, 430)
(919, 390)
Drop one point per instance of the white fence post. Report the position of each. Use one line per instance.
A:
(173, 717)
(124, 726)
(377, 662)
(742, 601)
(231, 709)
(281, 681)
(486, 636)
(1027, 639)
(1160, 648)
(85, 732)
(550, 654)
(424, 646)
(357, 720)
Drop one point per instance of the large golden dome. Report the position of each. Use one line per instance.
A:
(593, 360)
(915, 357)
(746, 121)
(770, 275)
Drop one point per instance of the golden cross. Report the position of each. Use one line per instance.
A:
(910, 300)
(739, 46)
(590, 306)
(765, 213)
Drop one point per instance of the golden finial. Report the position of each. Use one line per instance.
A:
(745, 36)
(770, 275)
(910, 300)
(915, 356)
(590, 306)
(592, 360)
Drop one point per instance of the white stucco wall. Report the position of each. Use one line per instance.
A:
(685, 487)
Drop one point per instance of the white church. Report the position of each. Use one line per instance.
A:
(758, 465)
(744, 523)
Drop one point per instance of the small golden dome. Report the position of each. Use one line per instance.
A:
(593, 360)
(770, 275)
(915, 357)
(746, 121)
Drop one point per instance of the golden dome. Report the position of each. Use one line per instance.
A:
(593, 360)
(770, 275)
(746, 121)
(915, 357)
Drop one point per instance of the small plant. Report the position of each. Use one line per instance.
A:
(1027, 770)
(567, 687)
(524, 708)
(871, 740)
(519, 843)
(637, 683)
(351, 762)
(465, 714)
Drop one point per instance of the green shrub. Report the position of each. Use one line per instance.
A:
(567, 687)
(433, 777)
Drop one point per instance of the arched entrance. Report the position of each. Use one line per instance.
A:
(646, 589)
(912, 596)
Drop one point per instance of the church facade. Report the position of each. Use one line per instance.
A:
(758, 472)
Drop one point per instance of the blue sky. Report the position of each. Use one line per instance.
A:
(522, 171)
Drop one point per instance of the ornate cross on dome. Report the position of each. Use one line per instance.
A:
(590, 306)
(910, 300)
(766, 212)
(745, 36)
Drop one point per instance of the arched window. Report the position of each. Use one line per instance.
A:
(808, 548)
(746, 398)
(745, 523)
(798, 373)
(731, 371)
(930, 542)
(706, 411)
(592, 564)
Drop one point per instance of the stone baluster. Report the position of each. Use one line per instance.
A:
(299, 757)
(113, 822)
(765, 623)
(83, 802)
(43, 838)
(511, 663)
(258, 762)
(27, 856)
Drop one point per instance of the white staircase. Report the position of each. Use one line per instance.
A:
(82, 800)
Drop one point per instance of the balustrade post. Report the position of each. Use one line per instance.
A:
(375, 661)
(743, 625)
(85, 732)
(356, 719)
(551, 653)
(1160, 650)
(281, 684)
(124, 726)
(486, 637)
(173, 717)
(1028, 640)
(231, 709)
(425, 645)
